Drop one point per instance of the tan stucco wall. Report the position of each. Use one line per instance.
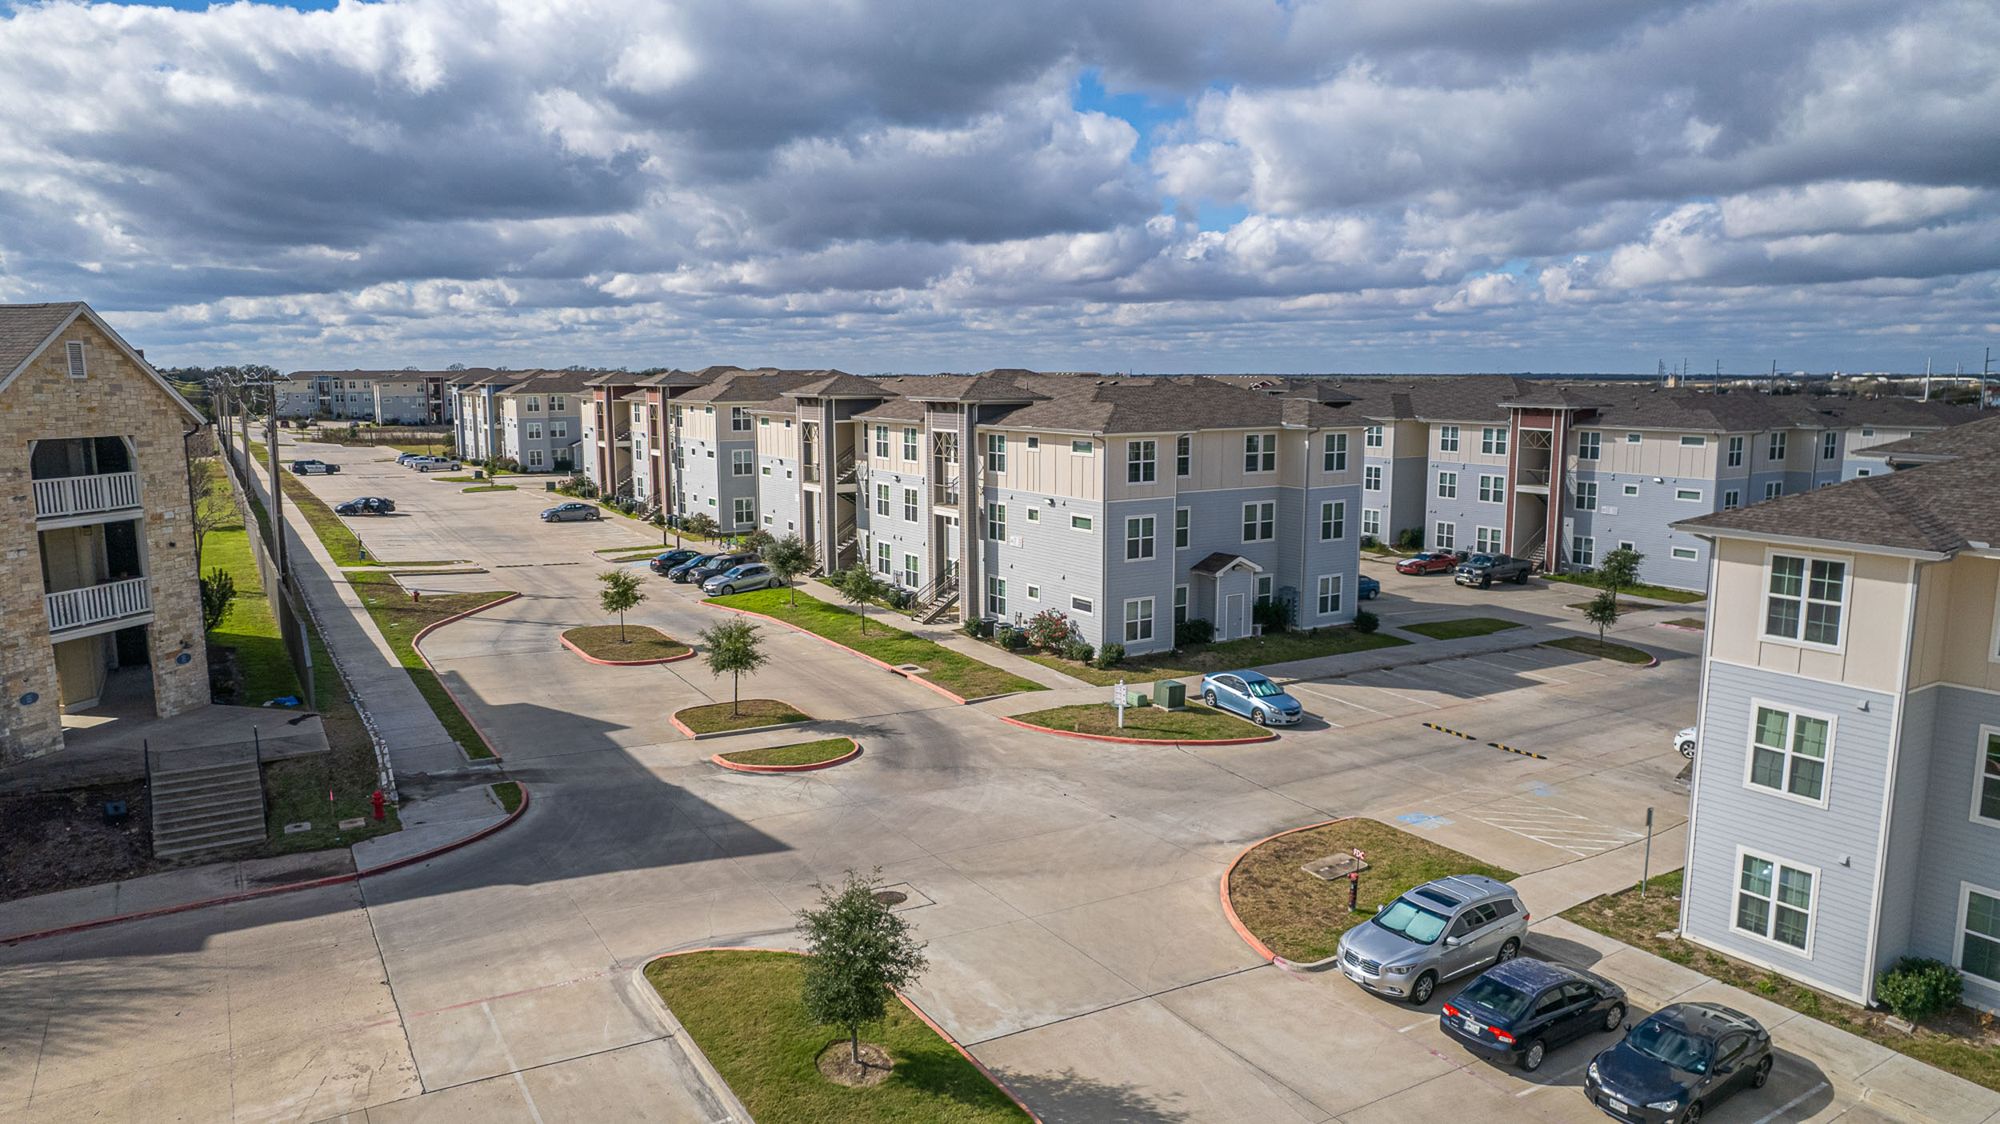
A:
(1872, 633)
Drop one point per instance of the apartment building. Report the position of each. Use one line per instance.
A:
(534, 417)
(408, 397)
(97, 551)
(1846, 795)
(629, 447)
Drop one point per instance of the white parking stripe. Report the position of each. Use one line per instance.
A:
(1789, 1105)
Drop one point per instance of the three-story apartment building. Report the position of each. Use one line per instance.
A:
(534, 417)
(384, 397)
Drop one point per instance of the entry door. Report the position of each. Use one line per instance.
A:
(1233, 625)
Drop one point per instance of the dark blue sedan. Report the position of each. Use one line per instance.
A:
(1675, 1066)
(672, 558)
(1520, 1009)
(1370, 588)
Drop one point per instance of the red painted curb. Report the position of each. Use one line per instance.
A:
(737, 766)
(681, 726)
(1229, 910)
(416, 645)
(889, 667)
(1134, 741)
(914, 1010)
(687, 655)
(272, 891)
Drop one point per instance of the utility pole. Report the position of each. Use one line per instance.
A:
(1985, 368)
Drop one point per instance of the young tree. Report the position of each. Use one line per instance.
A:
(788, 558)
(1619, 569)
(859, 585)
(858, 953)
(621, 594)
(218, 589)
(1602, 612)
(732, 648)
(213, 508)
(701, 525)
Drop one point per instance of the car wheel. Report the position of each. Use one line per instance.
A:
(1420, 991)
(1208, 698)
(725, 591)
(1762, 1075)
(1531, 1058)
(1693, 1114)
(1508, 951)
(1687, 750)
(1486, 583)
(1257, 715)
(1521, 578)
(1614, 1017)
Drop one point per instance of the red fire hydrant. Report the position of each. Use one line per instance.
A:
(378, 801)
(416, 596)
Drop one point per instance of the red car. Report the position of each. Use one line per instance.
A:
(1428, 562)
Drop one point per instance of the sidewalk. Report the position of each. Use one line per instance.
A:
(950, 636)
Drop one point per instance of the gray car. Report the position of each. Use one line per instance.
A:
(572, 512)
(1440, 930)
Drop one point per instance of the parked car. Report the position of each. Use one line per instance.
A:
(306, 466)
(1428, 562)
(404, 459)
(1370, 589)
(1685, 740)
(1436, 932)
(1252, 695)
(366, 505)
(739, 579)
(667, 560)
(1678, 1064)
(716, 564)
(435, 464)
(684, 571)
(1520, 1009)
(1483, 570)
(572, 512)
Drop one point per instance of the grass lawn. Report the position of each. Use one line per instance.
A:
(1690, 622)
(747, 715)
(804, 753)
(743, 1010)
(433, 449)
(248, 626)
(467, 479)
(1198, 659)
(1602, 649)
(960, 674)
(1656, 592)
(489, 488)
(399, 619)
(1459, 629)
(339, 540)
(1300, 916)
(1196, 723)
(621, 559)
(1624, 606)
(1960, 1042)
(509, 794)
(640, 643)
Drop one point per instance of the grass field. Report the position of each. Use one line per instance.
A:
(339, 540)
(1459, 629)
(750, 714)
(803, 753)
(1195, 723)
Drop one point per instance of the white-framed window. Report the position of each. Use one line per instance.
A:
(1333, 453)
(739, 419)
(746, 512)
(1680, 553)
(1183, 527)
(1492, 489)
(1688, 495)
(882, 442)
(1180, 605)
(881, 499)
(1260, 521)
(1805, 597)
(78, 367)
(556, 402)
(1986, 777)
(1777, 448)
(1034, 514)
(558, 430)
(1263, 587)
(1693, 441)
(535, 458)
(1583, 550)
(909, 505)
(1736, 452)
(1732, 499)
(1260, 452)
(996, 596)
(1329, 594)
(996, 521)
(1033, 441)
(1829, 445)
(1444, 536)
(1861, 472)
(1138, 538)
(1082, 447)
(532, 403)
(910, 572)
(1789, 752)
(1082, 605)
(1774, 900)
(1447, 485)
(1773, 489)
(1138, 620)
(1184, 455)
(1034, 592)
(1631, 489)
(996, 452)
(1487, 540)
(1589, 446)
(1079, 523)
(882, 563)
(1371, 521)
(1447, 439)
(1633, 438)
(1371, 437)
(1141, 462)
(1493, 440)
(742, 462)
(770, 521)
(763, 423)
(1979, 932)
(909, 444)
(1586, 495)
(1371, 478)
(534, 431)
(1332, 520)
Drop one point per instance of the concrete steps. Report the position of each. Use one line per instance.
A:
(199, 808)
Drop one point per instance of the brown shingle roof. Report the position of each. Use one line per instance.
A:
(1938, 508)
(24, 327)
(1974, 438)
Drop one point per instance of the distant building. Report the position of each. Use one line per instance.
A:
(533, 417)
(380, 397)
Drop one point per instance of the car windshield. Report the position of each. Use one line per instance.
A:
(1262, 688)
(1408, 919)
(1664, 1043)
(1496, 997)
(1480, 560)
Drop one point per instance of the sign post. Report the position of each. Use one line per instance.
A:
(1118, 700)
(1354, 881)
(1646, 864)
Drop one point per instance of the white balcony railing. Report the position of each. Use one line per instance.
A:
(86, 495)
(96, 604)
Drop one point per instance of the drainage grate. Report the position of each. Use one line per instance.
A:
(891, 897)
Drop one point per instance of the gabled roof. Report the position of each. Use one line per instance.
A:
(838, 384)
(1937, 509)
(1971, 439)
(389, 376)
(1221, 561)
(27, 330)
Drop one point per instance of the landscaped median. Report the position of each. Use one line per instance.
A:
(799, 758)
(729, 717)
(1287, 913)
(742, 1009)
(1602, 649)
(1226, 655)
(1462, 628)
(628, 646)
(1144, 725)
(951, 673)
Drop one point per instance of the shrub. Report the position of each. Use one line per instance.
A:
(700, 523)
(1917, 987)
(1273, 614)
(1194, 630)
(1111, 655)
(1050, 629)
(1014, 640)
(1369, 542)
(1365, 621)
(757, 540)
(1410, 538)
(1078, 650)
(218, 589)
(971, 628)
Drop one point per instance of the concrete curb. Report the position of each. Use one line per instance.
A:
(675, 718)
(906, 1001)
(417, 646)
(1236, 923)
(739, 767)
(888, 667)
(588, 658)
(1678, 627)
(1651, 659)
(1134, 741)
(272, 891)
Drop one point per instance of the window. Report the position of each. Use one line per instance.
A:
(882, 563)
(763, 423)
(1260, 522)
(1183, 455)
(1138, 538)
(1445, 536)
(1631, 489)
(769, 521)
(1589, 446)
(882, 442)
(1860, 472)
(1371, 478)
(1493, 441)
(1081, 448)
(1260, 452)
(1979, 933)
(909, 444)
(996, 596)
(1139, 462)
(1333, 455)
(1180, 605)
(996, 521)
(746, 512)
(1829, 445)
(1774, 901)
(1626, 544)
(1736, 452)
(739, 419)
(765, 471)
(1263, 588)
(1693, 441)
(1777, 451)
(534, 431)
(1633, 439)
(910, 573)
(1773, 489)
(1986, 786)
(534, 458)
(558, 429)
(555, 403)
(1788, 753)
(1034, 442)
(1332, 521)
(1079, 522)
(1804, 599)
(881, 499)
(996, 452)
(1447, 439)
(1488, 540)
(1138, 620)
(742, 462)
(1688, 495)
(1034, 515)
(1447, 485)
(1583, 550)
(77, 368)
(1371, 437)
(1731, 500)
(1082, 604)
(909, 505)
(532, 404)
(1680, 553)
(1371, 521)
(1183, 527)
(1034, 592)
(1329, 594)
(1492, 489)
(1586, 495)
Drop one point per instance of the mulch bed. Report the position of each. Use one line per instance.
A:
(59, 840)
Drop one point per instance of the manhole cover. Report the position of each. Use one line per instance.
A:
(910, 668)
(1334, 867)
(891, 897)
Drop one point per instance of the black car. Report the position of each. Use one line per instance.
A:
(716, 564)
(681, 571)
(1676, 1065)
(1520, 1009)
(366, 505)
(672, 558)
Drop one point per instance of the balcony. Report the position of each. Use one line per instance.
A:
(75, 609)
(66, 497)
(945, 493)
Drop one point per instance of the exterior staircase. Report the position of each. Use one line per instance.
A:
(206, 807)
(1539, 556)
(937, 600)
(845, 540)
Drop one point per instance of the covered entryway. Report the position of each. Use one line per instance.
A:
(1226, 584)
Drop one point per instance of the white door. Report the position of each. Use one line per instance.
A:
(1233, 625)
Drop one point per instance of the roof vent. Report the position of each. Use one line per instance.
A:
(77, 369)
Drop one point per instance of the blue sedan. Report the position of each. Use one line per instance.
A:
(1252, 695)
(1370, 589)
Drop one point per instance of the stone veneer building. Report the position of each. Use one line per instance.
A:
(97, 563)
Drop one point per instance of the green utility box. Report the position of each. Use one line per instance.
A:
(548, 486)
(1170, 693)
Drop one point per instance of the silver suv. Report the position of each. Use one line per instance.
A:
(1439, 930)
